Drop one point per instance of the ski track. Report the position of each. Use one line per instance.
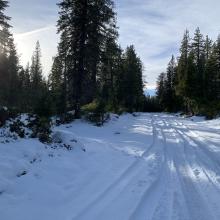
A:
(183, 188)
(182, 183)
(135, 171)
(155, 167)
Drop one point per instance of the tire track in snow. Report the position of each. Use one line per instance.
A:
(208, 187)
(187, 195)
(201, 143)
(205, 160)
(205, 183)
(172, 191)
(121, 182)
(210, 156)
(118, 178)
(197, 199)
(173, 204)
(147, 205)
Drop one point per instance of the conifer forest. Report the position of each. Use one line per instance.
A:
(109, 110)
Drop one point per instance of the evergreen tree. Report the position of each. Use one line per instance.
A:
(166, 85)
(169, 84)
(83, 26)
(191, 84)
(39, 88)
(101, 31)
(198, 49)
(160, 93)
(109, 76)
(9, 65)
(212, 105)
(4, 26)
(57, 86)
(213, 73)
(132, 80)
(189, 66)
(36, 68)
(24, 90)
(3, 18)
(182, 65)
(208, 47)
(197, 82)
(4, 30)
(13, 71)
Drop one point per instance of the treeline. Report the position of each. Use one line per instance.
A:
(90, 70)
(192, 82)
(21, 89)
(90, 66)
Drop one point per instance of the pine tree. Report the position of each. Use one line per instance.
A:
(109, 76)
(132, 80)
(169, 84)
(208, 55)
(102, 29)
(4, 30)
(38, 84)
(9, 65)
(213, 73)
(36, 67)
(189, 66)
(208, 47)
(161, 89)
(182, 65)
(198, 48)
(3, 18)
(83, 26)
(57, 86)
(191, 85)
(13, 71)
(197, 82)
(166, 88)
(24, 103)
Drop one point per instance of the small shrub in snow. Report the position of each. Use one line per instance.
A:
(18, 128)
(95, 113)
(41, 128)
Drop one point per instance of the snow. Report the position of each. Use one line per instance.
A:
(143, 166)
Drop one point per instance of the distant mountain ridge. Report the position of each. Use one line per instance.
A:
(150, 92)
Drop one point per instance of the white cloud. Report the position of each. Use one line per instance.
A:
(155, 27)
(33, 32)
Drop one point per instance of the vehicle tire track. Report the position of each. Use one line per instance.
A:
(204, 205)
(122, 180)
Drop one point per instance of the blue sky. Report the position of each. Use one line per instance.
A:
(155, 27)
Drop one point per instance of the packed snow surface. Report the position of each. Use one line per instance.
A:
(148, 167)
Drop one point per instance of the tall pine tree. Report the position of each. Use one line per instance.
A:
(132, 83)
(83, 26)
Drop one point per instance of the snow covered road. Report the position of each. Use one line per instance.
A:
(149, 167)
